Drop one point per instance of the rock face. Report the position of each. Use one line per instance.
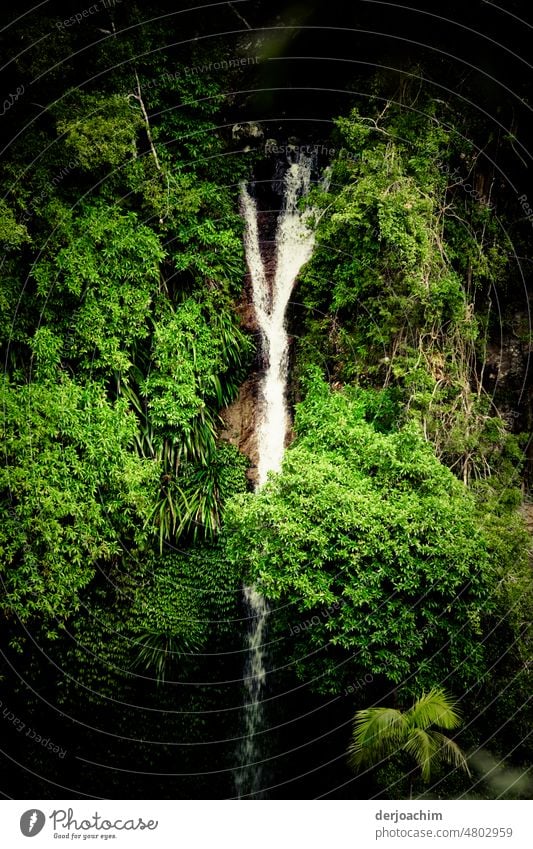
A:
(248, 131)
(240, 417)
(239, 423)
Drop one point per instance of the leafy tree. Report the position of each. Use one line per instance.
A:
(197, 356)
(401, 257)
(134, 286)
(99, 130)
(74, 497)
(12, 233)
(198, 359)
(367, 532)
(108, 268)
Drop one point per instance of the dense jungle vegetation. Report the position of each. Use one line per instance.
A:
(392, 546)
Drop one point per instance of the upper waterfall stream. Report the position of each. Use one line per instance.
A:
(294, 246)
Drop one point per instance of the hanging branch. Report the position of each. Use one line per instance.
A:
(138, 97)
(245, 22)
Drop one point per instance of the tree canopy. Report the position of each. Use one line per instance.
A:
(368, 524)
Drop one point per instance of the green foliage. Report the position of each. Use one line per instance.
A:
(166, 617)
(192, 499)
(205, 489)
(107, 270)
(380, 733)
(122, 266)
(134, 287)
(12, 234)
(161, 224)
(73, 495)
(99, 131)
(198, 352)
(401, 255)
(153, 618)
(197, 363)
(372, 528)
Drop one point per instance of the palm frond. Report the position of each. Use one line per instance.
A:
(381, 732)
(450, 752)
(422, 747)
(434, 708)
(377, 733)
(158, 651)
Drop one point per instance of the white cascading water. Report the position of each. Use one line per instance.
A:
(248, 778)
(294, 245)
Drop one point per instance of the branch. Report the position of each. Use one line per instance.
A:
(245, 22)
(138, 97)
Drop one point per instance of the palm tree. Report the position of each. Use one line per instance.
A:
(380, 732)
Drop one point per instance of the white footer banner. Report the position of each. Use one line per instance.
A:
(268, 824)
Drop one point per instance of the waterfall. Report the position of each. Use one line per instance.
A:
(294, 245)
(248, 778)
